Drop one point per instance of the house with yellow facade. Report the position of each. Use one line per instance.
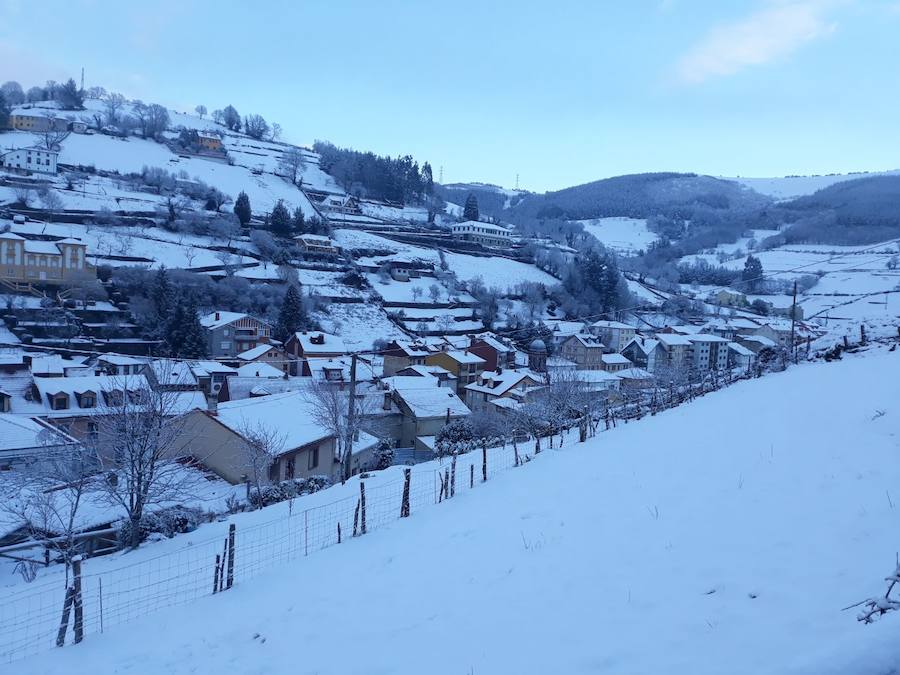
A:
(44, 262)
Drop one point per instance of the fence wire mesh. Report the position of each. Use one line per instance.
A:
(30, 616)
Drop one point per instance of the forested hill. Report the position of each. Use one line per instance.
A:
(640, 196)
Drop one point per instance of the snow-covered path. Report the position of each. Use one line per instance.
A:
(720, 537)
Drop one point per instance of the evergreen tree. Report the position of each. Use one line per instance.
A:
(427, 180)
(292, 317)
(298, 221)
(185, 334)
(470, 211)
(242, 209)
(162, 299)
(281, 220)
(752, 275)
(4, 112)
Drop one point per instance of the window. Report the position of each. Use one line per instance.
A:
(225, 345)
(313, 458)
(225, 332)
(60, 402)
(289, 469)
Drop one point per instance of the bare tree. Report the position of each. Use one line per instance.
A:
(141, 432)
(190, 253)
(152, 119)
(200, 110)
(228, 262)
(255, 126)
(329, 405)
(113, 103)
(291, 164)
(260, 447)
(47, 495)
(434, 291)
(55, 133)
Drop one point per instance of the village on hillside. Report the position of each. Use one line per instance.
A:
(200, 319)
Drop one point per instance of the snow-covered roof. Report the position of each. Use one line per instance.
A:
(242, 386)
(634, 374)
(612, 324)
(566, 327)
(171, 372)
(41, 247)
(646, 345)
(21, 433)
(48, 364)
(498, 383)
(615, 359)
(587, 341)
(218, 319)
(318, 342)
(120, 360)
(205, 368)
(424, 395)
(673, 340)
(255, 352)
(430, 371)
(314, 239)
(428, 400)
(264, 370)
(493, 341)
(461, 356)
(412, 349)
(760, 339)
(706, 337)
(289, 415)
(489, 227)
(740, 350)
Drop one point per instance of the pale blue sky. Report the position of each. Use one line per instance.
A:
(559, 92)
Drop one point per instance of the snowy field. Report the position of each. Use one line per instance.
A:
(626, 236)
(652, 549)
(359, 324)
(797, 186)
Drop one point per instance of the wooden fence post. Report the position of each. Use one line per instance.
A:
(216, 575)
(356, 520)
(79, 607)
(404, 502)
(339, 532)
(471, 476)
(64, 620)
(453, 476)
(483, 463)
(230, 581)
(362, 507)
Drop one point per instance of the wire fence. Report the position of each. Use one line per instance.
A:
(30, 617)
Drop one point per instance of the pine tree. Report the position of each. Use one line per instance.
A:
(292, 317)
(281, 220)
(752, 274)
(4, 111)
(427, 180)
(299, 222)
(185, 335)
(470, 212)
(242, 209)
(162, 299)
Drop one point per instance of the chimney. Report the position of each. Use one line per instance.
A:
(212, 404)
(218, 316)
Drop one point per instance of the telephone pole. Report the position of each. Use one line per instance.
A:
(82, 78)
(793, 323)
(441, 174)
(347, 466)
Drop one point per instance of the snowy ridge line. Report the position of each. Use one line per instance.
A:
(29, 619)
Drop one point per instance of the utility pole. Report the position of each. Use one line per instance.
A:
(517, 181)
(82, 78)
(793, 323)
(347, 467)
(441, 174)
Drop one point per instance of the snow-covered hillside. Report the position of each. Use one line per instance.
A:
(626, 236)
(789, 187)
(724, 536)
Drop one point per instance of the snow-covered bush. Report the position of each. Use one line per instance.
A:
(455, 438)
(384, 455)
(166, 522)
(280, 492)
